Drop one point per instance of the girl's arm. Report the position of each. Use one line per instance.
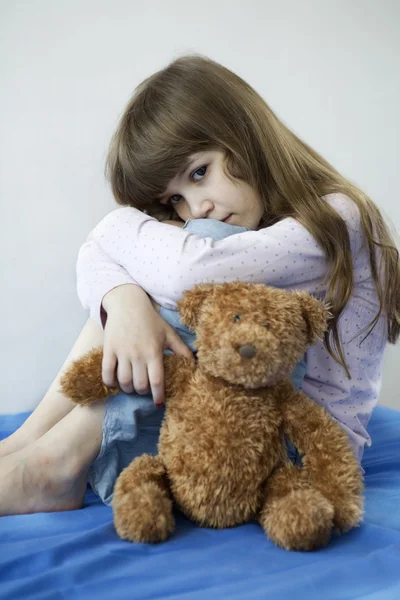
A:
(97, 274)
(134, 334)
(166, 261)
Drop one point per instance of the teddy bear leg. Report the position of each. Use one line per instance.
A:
(142, 503)
(294, 515)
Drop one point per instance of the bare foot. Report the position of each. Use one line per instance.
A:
(50, 473)
(33, 480)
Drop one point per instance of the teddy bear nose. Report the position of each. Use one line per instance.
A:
(247, 351)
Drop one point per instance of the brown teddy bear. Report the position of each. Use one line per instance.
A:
(221, 452)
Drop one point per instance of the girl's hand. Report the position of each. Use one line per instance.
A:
(134, 339)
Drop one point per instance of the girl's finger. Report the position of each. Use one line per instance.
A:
(175, 344)
(124, 375)
(108, 367)
(156, 379)
(140, 379)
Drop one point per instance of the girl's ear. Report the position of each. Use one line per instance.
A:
(190, 305)
(315, 314)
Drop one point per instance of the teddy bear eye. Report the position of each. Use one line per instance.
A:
(236, 318)
(266, 325)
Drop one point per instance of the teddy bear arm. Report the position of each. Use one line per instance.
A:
(178, 371)
(328, 458)
(82, 382)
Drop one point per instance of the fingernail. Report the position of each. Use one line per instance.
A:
(160, 405)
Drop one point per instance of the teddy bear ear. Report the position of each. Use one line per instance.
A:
(316, 315)
(190, 305)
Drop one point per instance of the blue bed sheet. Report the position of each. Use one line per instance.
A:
(78, 555)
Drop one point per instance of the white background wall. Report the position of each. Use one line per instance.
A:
(329, 68)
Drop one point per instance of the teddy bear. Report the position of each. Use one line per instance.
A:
(229, 410)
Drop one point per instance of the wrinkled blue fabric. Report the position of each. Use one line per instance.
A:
(77, 555)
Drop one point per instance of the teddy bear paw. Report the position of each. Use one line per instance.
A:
(301, 520)
(143, 514)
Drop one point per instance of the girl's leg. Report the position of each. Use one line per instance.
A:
(50, 473)
(54, 406)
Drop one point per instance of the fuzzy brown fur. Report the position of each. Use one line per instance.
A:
(221, 452)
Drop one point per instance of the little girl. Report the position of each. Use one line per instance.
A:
(197, 142)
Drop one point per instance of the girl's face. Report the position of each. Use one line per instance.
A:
(203, 191)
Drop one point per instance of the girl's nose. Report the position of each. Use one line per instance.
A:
(200, 209)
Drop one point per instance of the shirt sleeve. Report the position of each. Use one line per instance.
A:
(166, 260)
(97, 274)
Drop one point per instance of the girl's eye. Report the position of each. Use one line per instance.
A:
(199, 173)
(175, 199)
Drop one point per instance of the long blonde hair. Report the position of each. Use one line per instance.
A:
(195, 104)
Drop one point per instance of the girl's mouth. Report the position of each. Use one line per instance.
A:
(227, 218)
